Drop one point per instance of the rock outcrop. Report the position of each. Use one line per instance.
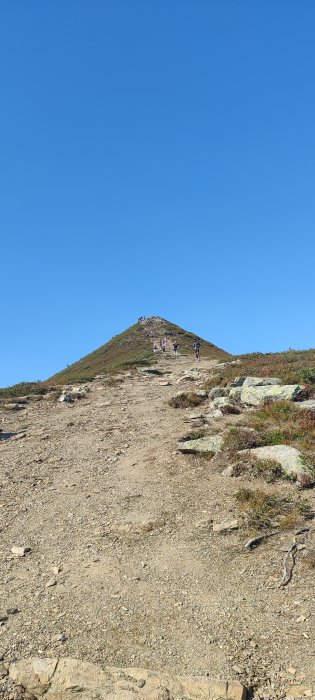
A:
(255, 395)
(60, 679)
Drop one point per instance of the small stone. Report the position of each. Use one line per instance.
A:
(223, 527)
(50, 583)
(20, 551)
(228, 471)
(3, 670)
(55, 570)
(141, 683)
(13, 611)
(62, 637)
(3, 617)
(292, 671)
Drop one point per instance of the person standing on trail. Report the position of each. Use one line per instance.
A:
(175, 348)
(196, 347)
(163, 346)
(155, 348)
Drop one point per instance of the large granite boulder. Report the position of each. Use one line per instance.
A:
(255, 381)
(255, 395)
(291, 459)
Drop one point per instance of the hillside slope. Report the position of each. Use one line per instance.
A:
(134, 347)
(124, 566)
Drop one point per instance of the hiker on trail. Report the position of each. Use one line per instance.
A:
(163, 346)
(196, 347)
(155, 347)
(175, 348)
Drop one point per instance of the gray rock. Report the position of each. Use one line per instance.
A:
(3, 670)
(217, 391)
(255, 395)
(219, 401)
(20, 551)
(224, 527)
(228, 471)
(189, 376)
(235, 393)
(291, 459)
(255, 381)
(230, 408)
(73, 393)
(308, 405)
(214, 414)
(261, 381)
(213, 443)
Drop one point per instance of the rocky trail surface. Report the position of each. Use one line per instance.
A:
(121, 564)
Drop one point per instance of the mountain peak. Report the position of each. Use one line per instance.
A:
(133, 347)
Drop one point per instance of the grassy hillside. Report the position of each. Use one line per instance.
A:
(134, 347)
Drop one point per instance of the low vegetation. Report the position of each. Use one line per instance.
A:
(261, 510)
(293, 367)
(23, 389)
(193, 435)
(186, 400)
(282, 423)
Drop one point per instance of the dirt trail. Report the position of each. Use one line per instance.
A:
(98, 489)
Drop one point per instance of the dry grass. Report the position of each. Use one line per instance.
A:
(282, 423)
(186, 400)
(193, 435)
(261, 510)
(267, 469)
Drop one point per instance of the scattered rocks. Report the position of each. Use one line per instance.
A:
(74, 393)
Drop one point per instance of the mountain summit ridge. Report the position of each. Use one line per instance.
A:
(134, 346)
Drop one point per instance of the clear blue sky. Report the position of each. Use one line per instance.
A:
(157, 158)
